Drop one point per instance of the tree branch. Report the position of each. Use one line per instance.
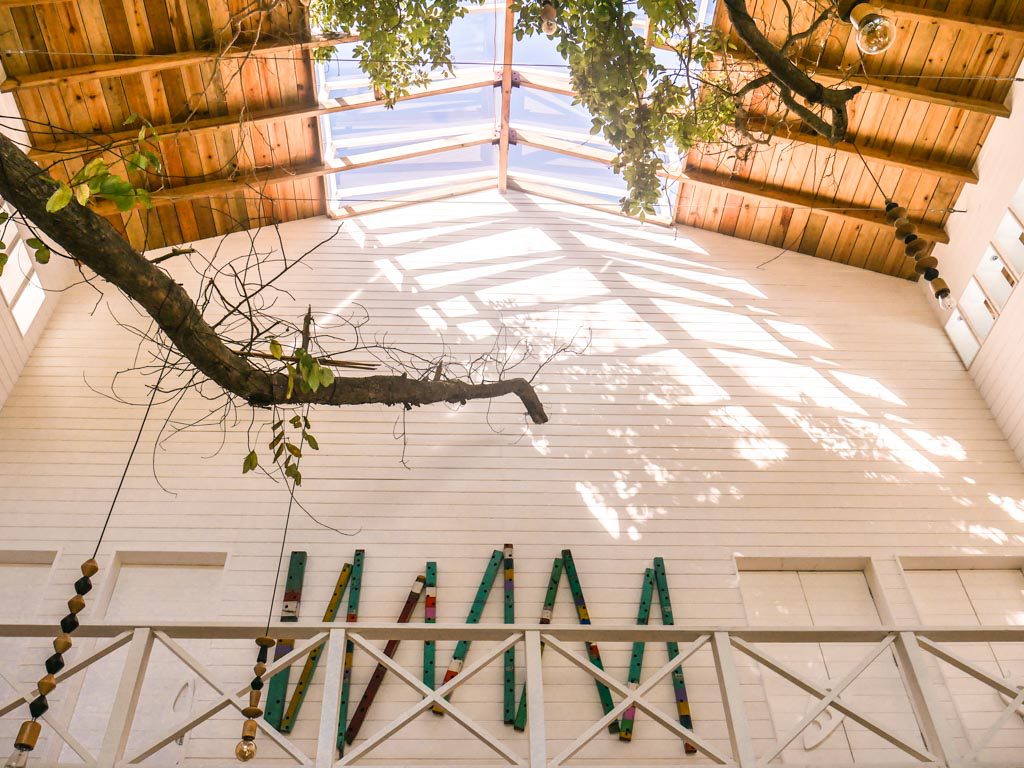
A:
(89, 238)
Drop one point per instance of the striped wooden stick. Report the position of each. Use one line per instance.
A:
(363, 707)
(678, 683)
(277, 689)
(546, 614)
(430, 617)
(475, 612)
(593, 653)
(636, 660)
(292, 713)
(351, 616)
(509, 697)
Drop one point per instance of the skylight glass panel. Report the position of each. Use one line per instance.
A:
(552, 113)
(974, 305)
(477, 37)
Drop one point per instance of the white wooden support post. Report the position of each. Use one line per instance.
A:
(327, 740)
(732, 702)
(921, 691)
(535, 701)
(119, 727)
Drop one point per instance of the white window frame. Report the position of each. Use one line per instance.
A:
(28, 279)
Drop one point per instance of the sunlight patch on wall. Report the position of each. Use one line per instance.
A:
(665, 240)
(611, 325)
(605, 515)
(937, 446)
(865, 385)
(456, 276)
(700, 389)
(501, 245)
(619, 248)
(735, 284)
(483, 205)
(566, 285)
(798, 332)
(718, 327)
(756, 446)
(675, 291)
(456, 307)
(434, 321)
(889, 445)
(1011, 506)
(393, 239)
(788, 381)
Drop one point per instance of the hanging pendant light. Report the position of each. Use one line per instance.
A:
(875, 32)
(548, 18)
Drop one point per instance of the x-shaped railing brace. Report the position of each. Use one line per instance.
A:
(830, 698)
(633, 697)
(431, 698)
(62, 729)
(227, 699)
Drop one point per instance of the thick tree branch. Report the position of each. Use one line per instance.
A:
(789, 76)
(90, 239)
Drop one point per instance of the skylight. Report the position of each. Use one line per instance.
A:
(445, 136)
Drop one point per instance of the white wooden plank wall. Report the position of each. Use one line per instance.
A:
(731, 403)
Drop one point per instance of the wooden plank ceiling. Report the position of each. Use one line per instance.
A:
(229, 87)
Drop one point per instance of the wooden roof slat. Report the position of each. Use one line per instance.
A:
(98, 141)
(147, 64)
(976, 23)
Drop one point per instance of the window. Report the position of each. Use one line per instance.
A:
(963, 338)
(19, 284)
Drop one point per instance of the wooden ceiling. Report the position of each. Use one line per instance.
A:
(229, 87)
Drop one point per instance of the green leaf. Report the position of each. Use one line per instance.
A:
(291, 383)
(293, 449)
(59, 199)
(82, 193)
(4, 216)
(278, 452)
(326, 376)
(312, 441)
(3, 262)
(275, 349)
(276, 441)
(34, 242)
(42, 255)
(295, 421)
(250, 463)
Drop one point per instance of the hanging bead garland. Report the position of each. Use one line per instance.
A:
(916, 248)
(28, 734)
(246, 749)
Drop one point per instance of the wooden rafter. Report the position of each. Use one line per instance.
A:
(139, 64)
(506, 98)
(772, 194)
(260, 179)
(945, 18)
(486, 181)
(203, 126)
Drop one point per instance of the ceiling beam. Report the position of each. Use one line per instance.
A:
(832, 76)
(411, 198)
(504, 135)
(794, 131)
(139, 64)
(97, 142)
(253, 181)
(984, 26)
(788, 198)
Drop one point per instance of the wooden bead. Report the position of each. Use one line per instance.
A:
(252, 711)
(62, 643)
(265, 642)
(254, 698)
(46, 684)
(925, 263)
(899, 212)
(249, 730)
(90, 568)
(916, 247)
(940, 288)
(906, 230)
(28, 735)
(76, 604)
(259, 669)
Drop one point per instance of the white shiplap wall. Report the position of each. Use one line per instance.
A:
(733, 401)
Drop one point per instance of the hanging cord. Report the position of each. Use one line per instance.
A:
(870, 172)
(131, 455)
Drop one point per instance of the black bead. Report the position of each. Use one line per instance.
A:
(909, 239)
(256, 684)
(38, 706)
(261, 657)
(930, 274)
(83, 586)
(69, 623)
(55, 664)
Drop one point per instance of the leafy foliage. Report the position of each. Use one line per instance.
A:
(400, 41)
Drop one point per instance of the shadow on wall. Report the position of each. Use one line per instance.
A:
(700, 380)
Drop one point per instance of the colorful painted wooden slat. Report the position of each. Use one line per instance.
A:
(593, 653)
(475, 612)
(277, 688)
(636, 659)
(363, 707)
(430, 617)
(678, 683)
(351, 616)
(302, 687)
(509, 695)
(546, 613)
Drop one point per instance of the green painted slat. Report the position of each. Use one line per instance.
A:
(678, 683)
(475, 612)
(509, 693)
(546, 614)
(302, 687)
(277, 688)
(636, 659)
(351, 616)
(430, 617)
(593, 653)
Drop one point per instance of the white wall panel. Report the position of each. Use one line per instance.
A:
(730, 403)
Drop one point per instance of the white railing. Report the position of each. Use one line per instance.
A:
(911, 647)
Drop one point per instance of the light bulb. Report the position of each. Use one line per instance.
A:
(548, 19)
(18, 759)
(948, 303)
(245, 751)
(875, 32)
(549, 27)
